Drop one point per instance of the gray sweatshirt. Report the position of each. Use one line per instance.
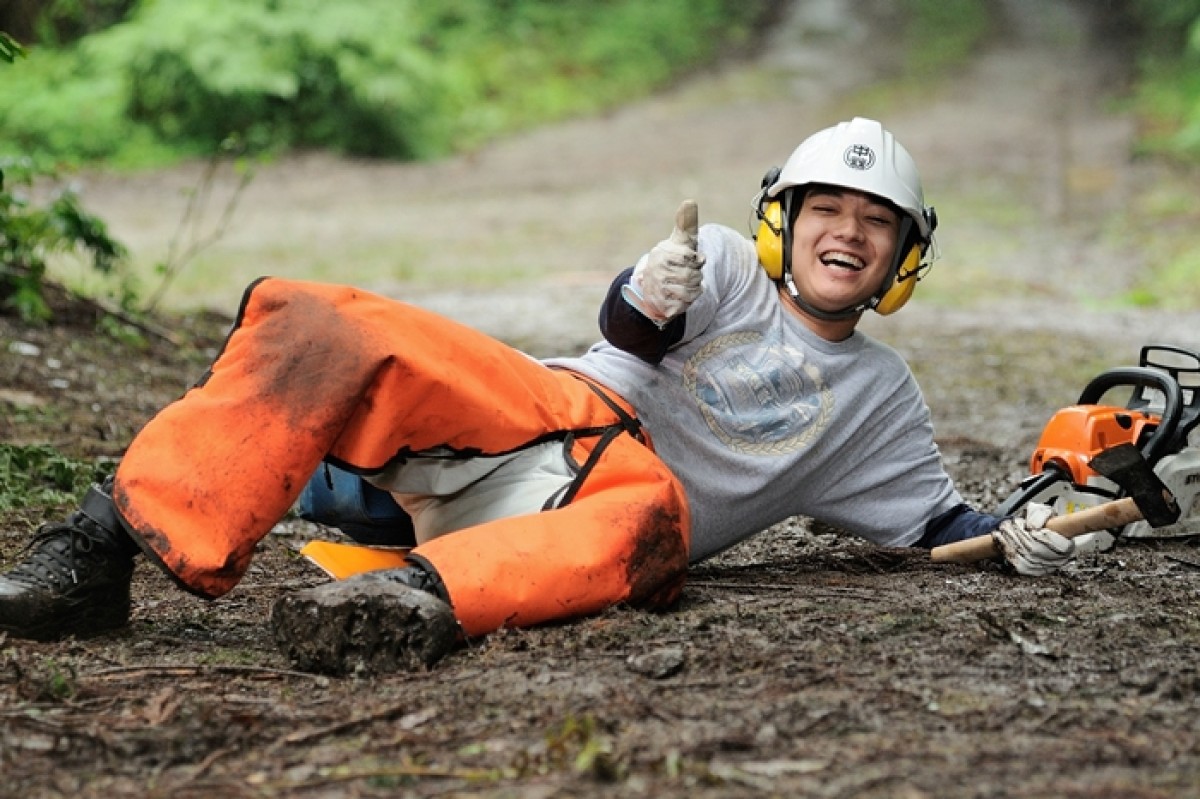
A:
(762, 420)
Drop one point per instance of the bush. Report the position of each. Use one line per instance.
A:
(10, 49)
(1168, 94)
(395, 78)
(39, 475)
(30, 233)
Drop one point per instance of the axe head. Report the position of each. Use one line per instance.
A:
(1125, 465)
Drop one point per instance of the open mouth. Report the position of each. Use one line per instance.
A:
(843, 260)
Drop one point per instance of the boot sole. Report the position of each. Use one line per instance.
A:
(363, 626)
(87, 621)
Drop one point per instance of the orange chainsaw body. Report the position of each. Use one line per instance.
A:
(1076, 433)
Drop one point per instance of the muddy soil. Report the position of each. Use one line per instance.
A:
(802, 663)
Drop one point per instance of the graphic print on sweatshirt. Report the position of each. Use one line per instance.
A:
(758, 395)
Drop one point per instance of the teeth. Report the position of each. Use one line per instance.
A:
(842, 259)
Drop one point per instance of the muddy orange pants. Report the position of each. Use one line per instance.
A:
(313, 371)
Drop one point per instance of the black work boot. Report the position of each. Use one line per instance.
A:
(372, 623)
(74, 579)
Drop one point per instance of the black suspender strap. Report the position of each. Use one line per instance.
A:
(626, 424)
(629, 424)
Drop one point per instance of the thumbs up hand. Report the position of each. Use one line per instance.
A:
(667, 280)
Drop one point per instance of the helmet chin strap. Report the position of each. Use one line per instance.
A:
(811, 310)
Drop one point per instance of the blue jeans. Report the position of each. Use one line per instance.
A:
(341, 499)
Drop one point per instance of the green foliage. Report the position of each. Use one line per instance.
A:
(1174, 21)
(395, 78)
(61, 21)
(1172, 280)
(31, 232)
(959, 25)
(62, 106)
(576, 743)
(319, 75)
(40, 476)
(58, 681)
(10, 48)
(1168, 103)
(1178, 281)
(1168, 94)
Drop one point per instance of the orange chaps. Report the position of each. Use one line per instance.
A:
(313, 370)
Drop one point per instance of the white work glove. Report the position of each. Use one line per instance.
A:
(666, 280)
(1028, 546)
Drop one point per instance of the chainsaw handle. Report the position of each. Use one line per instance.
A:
(1142, 377)
(1117, 513)
(967, 550)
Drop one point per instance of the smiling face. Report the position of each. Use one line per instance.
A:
(842, 245)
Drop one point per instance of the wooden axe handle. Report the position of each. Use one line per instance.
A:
(1117, 513)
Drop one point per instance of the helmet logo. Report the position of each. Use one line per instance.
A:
(859, 156)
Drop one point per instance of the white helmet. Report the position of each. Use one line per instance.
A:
(859, 154)
(862, 156)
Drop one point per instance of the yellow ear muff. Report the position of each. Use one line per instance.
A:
(903, 283)
(769, 240)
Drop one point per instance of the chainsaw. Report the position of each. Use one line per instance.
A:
(1160, 417)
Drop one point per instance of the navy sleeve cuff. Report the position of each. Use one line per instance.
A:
(957, 524)
(627, 329)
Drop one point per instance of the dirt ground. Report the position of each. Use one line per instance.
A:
(801, 663)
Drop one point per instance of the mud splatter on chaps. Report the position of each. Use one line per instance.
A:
(313, 370)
